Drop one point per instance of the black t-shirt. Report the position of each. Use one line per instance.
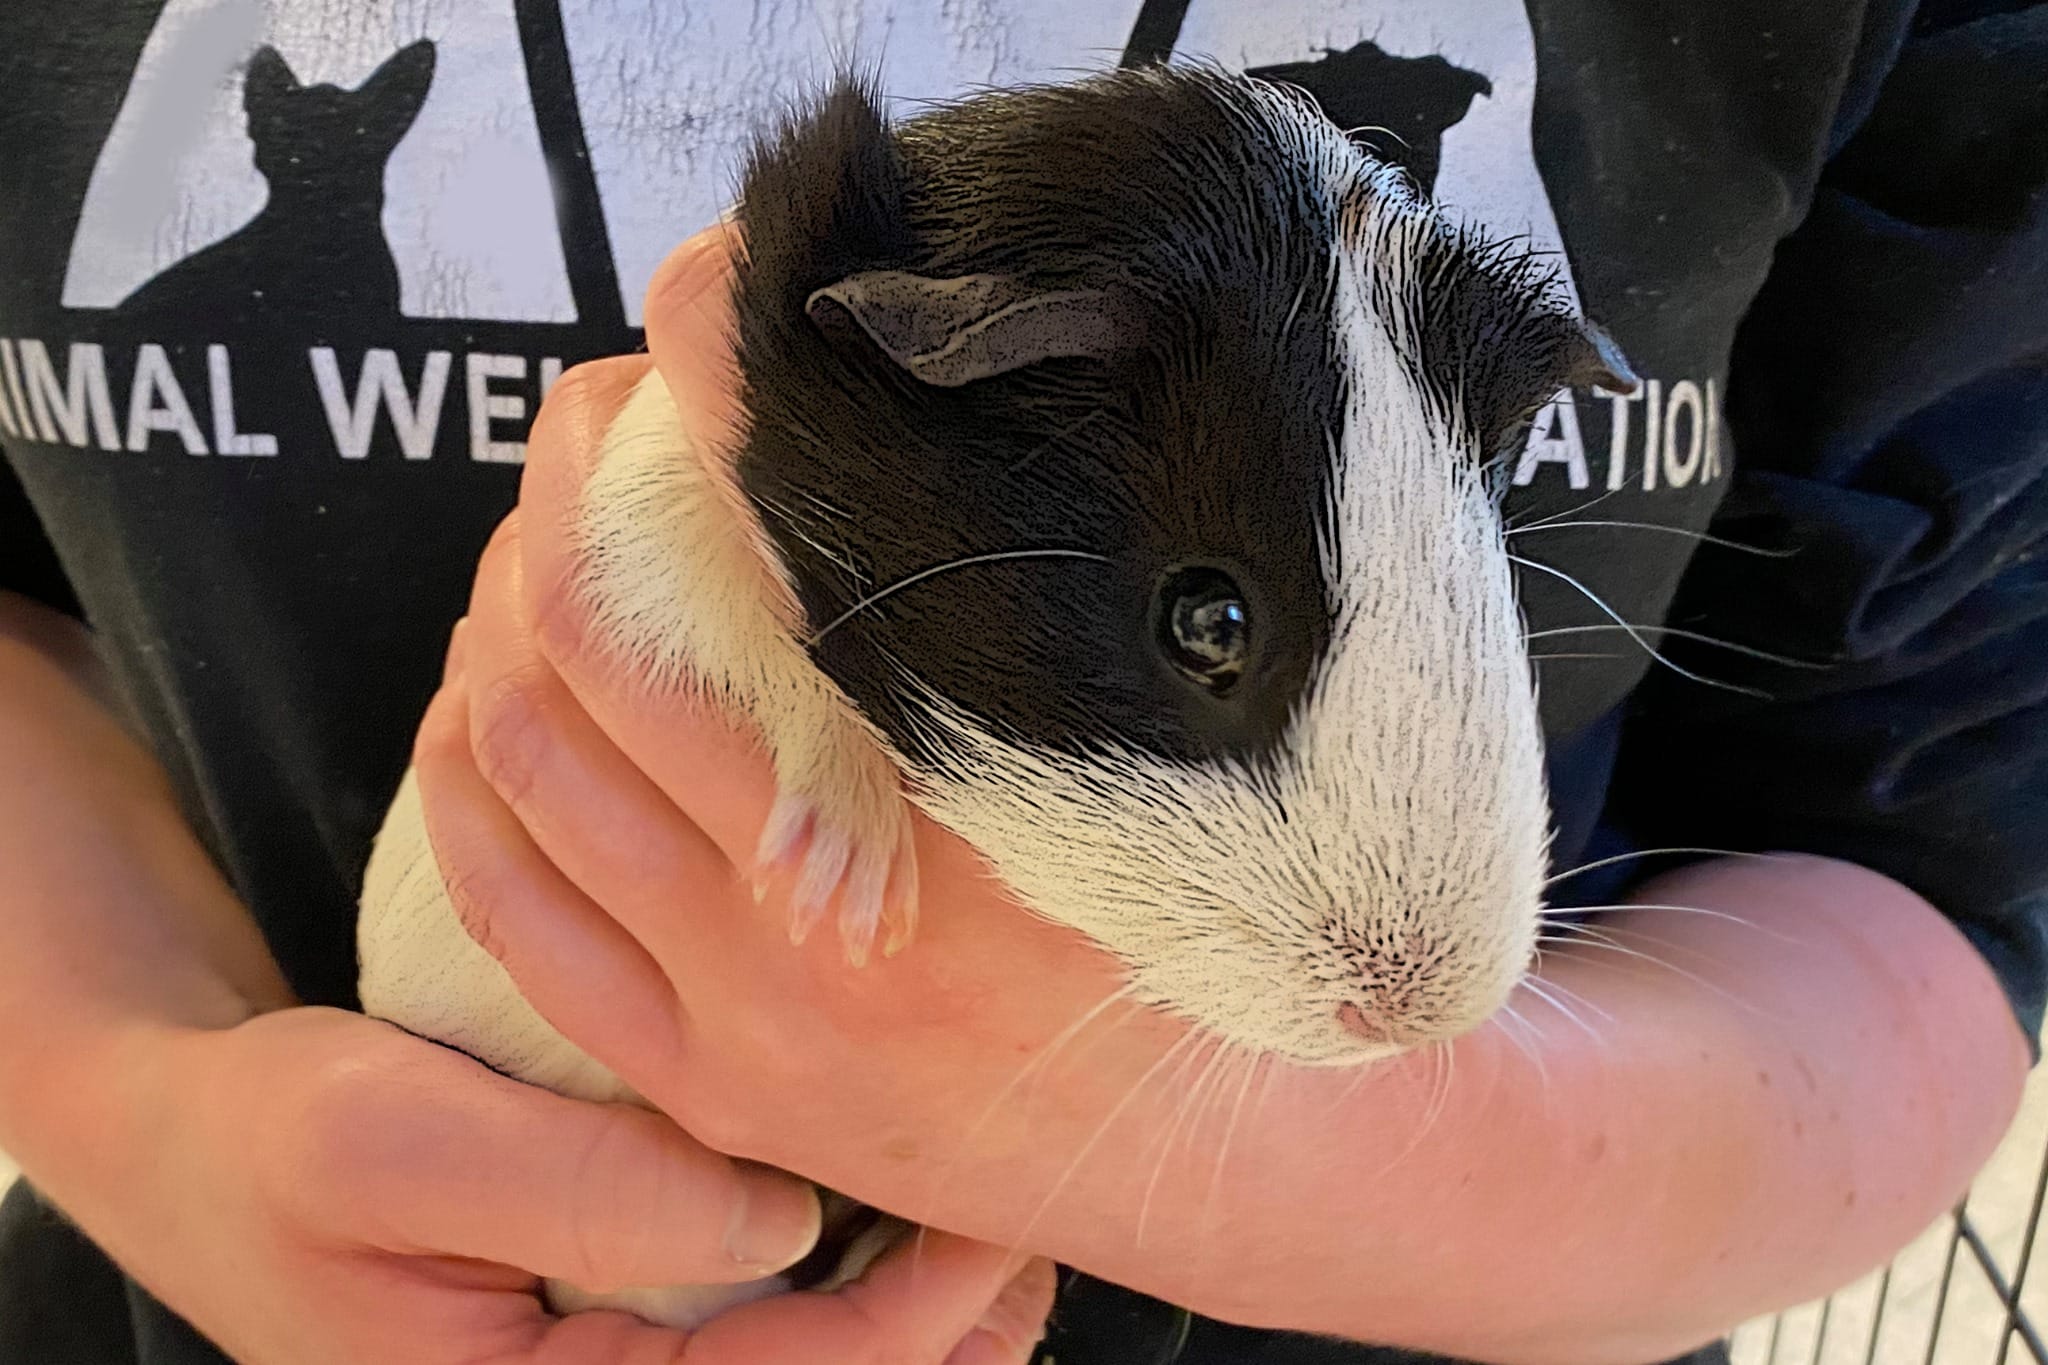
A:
(278, 297)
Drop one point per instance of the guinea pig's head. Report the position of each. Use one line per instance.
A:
(1134, 448)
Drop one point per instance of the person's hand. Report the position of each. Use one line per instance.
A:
(317, 1188)
(1674, 1123)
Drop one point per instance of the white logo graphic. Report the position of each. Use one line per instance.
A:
(668, 95)
(1488, 158)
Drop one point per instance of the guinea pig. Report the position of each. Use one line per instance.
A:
(1119, 483)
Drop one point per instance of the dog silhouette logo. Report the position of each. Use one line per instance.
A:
(1398, 107)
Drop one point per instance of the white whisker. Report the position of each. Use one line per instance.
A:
(968, 561)
(1552, 524)
(1604, 940)
(1375, 128)
(1633, 633)
(1569, 511)
(1652, 853)
(1364, 1072)
(1557, 916)
(1537, 987)
(1180, 1113)
(1521, 1042)
(1102, 1129)
(1440, 1088)
(1039, 1061)
(1252, 1061)
(1784, 659)
(1586, 936)
(1560, 988)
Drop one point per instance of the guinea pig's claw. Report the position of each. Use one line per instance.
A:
(802, 920)
(860, 906)
(790, 821)
(785, 840)
(824, 866)
(875, 885)
(899, 905)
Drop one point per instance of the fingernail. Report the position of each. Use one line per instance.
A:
(897, 941)
(982, 1348)
(457, 655)
(1013, 1324)
(776, 1224)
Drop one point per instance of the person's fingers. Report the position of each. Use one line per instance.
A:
(1015, 1323)
(708, 766)
(576, 964)
(915, 1305)
(938, 1292)
(591, 811)
(452, 661)
(408, 1310)
(620, 1339)
(690, 324)
(434, 1154)
(903, 1312)
(568, 430)
(562, 451)
(412, 1311)
(587, 806)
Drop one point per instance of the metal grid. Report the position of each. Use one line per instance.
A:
(1965, 1293)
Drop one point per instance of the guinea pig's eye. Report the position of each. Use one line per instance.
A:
(1204, 626)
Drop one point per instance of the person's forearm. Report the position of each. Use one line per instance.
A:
(113, 921)
(1801, 1093)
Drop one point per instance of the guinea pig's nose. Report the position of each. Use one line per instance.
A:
(1375, 1030)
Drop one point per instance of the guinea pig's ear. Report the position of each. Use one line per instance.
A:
(949, 332)
(1594, 361)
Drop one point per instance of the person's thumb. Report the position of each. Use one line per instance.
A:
(689, 320)
(443, 1156)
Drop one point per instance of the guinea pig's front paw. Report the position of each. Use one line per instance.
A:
(847, 842)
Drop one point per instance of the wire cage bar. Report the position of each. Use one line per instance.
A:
(1967, 1292)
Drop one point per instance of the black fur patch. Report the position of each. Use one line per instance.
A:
(1209, 443)
(1485, 328)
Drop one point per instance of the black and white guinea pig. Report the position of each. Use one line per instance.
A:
(1119, 484)
(1128, 453)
